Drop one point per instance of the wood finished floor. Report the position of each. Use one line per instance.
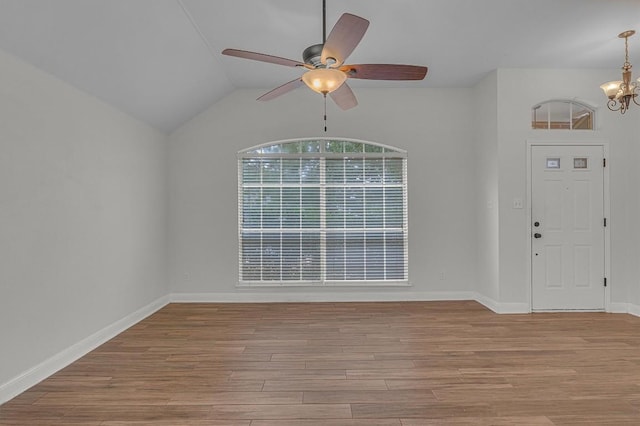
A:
(349, 364)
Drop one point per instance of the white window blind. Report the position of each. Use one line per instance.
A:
(322, 212)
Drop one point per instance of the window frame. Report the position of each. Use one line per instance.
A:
(572, 103)
(384, 152)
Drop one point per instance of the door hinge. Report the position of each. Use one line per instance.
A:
(604, 162)
(605, 281)
(605, 222)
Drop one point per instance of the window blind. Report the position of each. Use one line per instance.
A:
(322, 212)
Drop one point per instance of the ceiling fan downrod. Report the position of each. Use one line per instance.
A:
(324, 21)
(312, 54)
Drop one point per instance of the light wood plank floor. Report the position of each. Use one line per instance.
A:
(349, 364)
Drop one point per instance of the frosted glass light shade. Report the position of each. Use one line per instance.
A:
(324, 80)
(611, 88)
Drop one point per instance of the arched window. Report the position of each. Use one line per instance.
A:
(322, 211)
(562, 114)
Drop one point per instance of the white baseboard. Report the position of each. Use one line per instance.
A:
(380, 296)
(391, 296)
(619, 308)
(267, 297)
(624, 308)
(501, 307)
(35, 375)
(633, 309)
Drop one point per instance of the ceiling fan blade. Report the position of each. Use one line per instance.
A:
(281, 90)
(344, 37)
(385, 71)
(245, 54)
(344, 97)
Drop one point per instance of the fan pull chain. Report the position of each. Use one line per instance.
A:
(325, 112)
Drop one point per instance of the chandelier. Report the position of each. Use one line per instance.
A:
(622, 92)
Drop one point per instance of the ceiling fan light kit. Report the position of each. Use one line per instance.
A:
(323, 63)
(620, 93)
(324, 80)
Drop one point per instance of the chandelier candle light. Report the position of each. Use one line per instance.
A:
(622, 92)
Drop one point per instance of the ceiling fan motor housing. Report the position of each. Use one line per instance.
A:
(312, 54)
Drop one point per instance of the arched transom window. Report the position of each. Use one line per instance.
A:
(322, 211)
(562, 114)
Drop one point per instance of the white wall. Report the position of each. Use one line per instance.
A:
(82, 217)
(467, 162)
(485, 148)
(431, 124)
(633, 291)
(518, 91)
(94, 226)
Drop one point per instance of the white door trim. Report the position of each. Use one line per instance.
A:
(607, 213)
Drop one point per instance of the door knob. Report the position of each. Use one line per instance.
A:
(536, 224)
(537, 235)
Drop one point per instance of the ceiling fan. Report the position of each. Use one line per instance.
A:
(325, 71)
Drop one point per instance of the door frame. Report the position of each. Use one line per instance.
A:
(607, 213)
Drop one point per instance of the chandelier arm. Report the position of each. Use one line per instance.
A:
(633, 98)
(611, 104)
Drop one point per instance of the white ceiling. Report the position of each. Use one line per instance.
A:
(160, 61)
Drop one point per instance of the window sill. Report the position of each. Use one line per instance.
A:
(341, 284)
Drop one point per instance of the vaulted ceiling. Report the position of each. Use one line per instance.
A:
(160, 61)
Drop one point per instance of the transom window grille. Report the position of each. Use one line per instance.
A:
(322, 211)
(562, 114)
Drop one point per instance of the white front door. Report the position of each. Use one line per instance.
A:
(567, 227)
